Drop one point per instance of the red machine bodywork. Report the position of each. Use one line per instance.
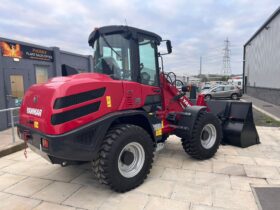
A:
(170, 104)
(124, 95)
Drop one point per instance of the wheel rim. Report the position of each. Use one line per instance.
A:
(208, 136)
(129, 170)
(207, 97)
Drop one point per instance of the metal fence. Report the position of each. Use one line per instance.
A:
(12, 116)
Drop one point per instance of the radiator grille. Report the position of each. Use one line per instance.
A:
(78, 98)
(74, 113)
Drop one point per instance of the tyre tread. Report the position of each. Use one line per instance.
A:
(101, 164)
(192, 145)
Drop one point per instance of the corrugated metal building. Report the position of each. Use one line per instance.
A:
(261, 67)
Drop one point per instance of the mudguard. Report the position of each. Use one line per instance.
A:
(183, 122)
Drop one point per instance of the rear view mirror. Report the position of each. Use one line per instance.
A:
(168, 46)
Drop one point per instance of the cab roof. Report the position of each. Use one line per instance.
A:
(120, 29)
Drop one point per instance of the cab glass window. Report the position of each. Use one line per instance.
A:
(147, 56)
(112, 56)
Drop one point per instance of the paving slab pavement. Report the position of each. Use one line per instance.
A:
(176, 181)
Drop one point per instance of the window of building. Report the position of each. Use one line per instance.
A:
(148, 73)
(17, 87)
(41, 74)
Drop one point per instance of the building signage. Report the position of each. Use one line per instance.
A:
(16, 50)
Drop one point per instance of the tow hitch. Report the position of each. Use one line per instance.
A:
(25, 136)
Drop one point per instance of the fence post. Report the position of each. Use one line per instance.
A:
(11, 110)
(12, 122)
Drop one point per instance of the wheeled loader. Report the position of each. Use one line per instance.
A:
(118, 115)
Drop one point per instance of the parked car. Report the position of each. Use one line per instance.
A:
(223, 91)
(206, 86)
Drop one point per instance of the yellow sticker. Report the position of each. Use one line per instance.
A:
(109, 103)
(36, 124)
(159, 132)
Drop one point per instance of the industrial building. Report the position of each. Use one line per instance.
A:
(23, 64)
(261, 64)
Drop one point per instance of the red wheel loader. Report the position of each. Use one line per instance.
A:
(118, 115)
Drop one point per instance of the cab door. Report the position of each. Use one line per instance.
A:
(149, 79)
(149, 73)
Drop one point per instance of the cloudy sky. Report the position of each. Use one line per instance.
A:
(196, 28)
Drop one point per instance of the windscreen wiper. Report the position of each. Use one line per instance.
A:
(109, 45)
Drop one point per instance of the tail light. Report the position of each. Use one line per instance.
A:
(45, 143)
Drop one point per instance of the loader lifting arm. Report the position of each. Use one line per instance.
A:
(175, 100)
(236, 118)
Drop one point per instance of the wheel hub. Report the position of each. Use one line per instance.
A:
(205, 135)
(127, 157)
(208, 136)
(131, 159)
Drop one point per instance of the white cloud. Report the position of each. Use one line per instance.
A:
(196, 28)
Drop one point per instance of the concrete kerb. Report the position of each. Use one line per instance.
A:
(12, 148)
(263, 111)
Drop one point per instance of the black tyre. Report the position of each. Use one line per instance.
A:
(208, 97)
(205, 137)
(234, 96)
(125, 157)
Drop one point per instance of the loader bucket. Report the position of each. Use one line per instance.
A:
(237, 122)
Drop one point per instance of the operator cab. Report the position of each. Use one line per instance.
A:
(126, 53)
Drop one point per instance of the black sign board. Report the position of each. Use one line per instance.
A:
(16, 50)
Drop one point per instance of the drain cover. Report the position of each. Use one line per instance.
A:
(268, 197)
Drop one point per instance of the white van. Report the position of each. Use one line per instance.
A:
(237, 82)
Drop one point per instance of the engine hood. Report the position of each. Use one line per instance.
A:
(64, 103)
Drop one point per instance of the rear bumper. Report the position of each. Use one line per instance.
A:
(81, 144)
(78, 145)
(39, 152)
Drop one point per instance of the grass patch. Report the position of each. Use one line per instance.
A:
(264, 120)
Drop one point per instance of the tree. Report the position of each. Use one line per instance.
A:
(224, 78)
(204, 79)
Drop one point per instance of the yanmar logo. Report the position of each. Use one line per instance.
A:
(35, 112)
